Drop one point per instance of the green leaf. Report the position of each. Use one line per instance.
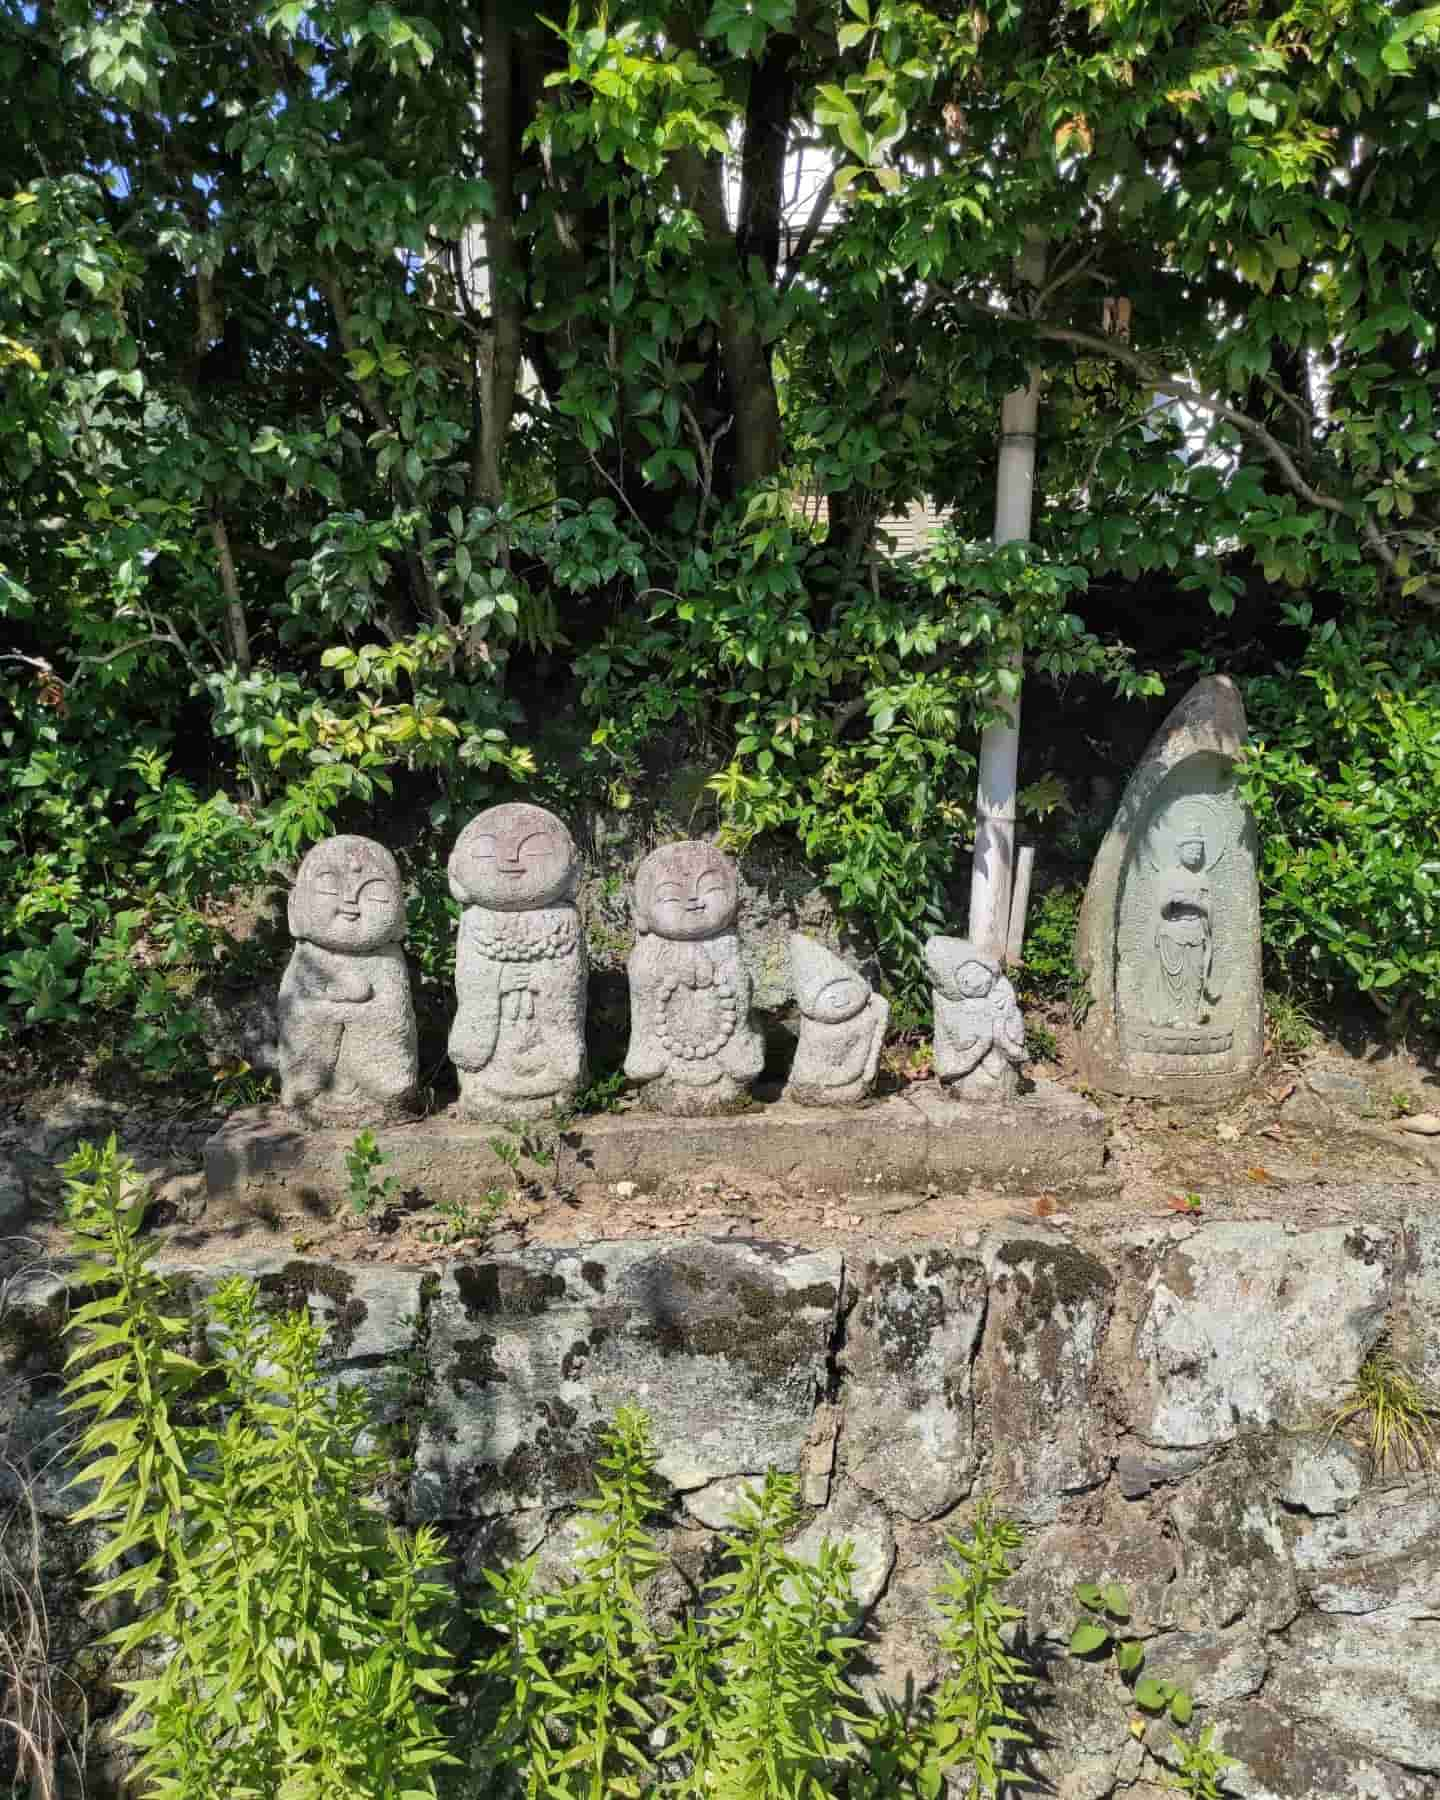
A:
(1087, 1638)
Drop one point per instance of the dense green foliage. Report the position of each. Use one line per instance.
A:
(402, 407)
(1345, 781)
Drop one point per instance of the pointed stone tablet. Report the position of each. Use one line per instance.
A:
(1169, 934)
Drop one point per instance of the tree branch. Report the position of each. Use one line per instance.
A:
(1162, 381)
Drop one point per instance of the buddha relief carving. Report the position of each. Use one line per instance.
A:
(518, 1041)
(693, 1048)
(1184, 845)
(347, 1044)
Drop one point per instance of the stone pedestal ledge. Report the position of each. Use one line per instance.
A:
(263, 1159)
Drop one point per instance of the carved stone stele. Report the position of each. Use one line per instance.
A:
(347, 1048)
(693, 1047)
(1169, 936)
(842, 1027)
(518, 1040)
(979, 1032)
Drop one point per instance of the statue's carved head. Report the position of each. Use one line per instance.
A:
(686, 891)
(347, 897)
(1189, 834)
(512, 858)
(826, 989)
(959, 970)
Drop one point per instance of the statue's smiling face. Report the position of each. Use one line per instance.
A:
(347, 897)
(839, 1000)
(687, 891)
(511, 859)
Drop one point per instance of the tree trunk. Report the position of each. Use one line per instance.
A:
(992, 870)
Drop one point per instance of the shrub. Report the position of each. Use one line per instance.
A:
(1344, 778)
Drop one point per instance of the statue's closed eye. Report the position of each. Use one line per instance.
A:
(484, 849)
(712, 882)
(670, 890)
(327, 883)
(538, 844)
(376, 893)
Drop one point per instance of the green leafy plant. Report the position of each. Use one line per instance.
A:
(517, 1147)
(1098, 1633)
(283, 1633)
(1289, 1023)
(1395, 1413)
(459, 1222)
(975, 1722)
(1200, 1767)
(239, 1085)
(1345, 783)
(574, 1666)
(1040, 1042)
(1048, 970)
(604, 1093)
(757, 1694)
(370, 1193)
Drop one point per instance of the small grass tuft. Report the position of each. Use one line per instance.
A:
(1397, 1413)
(1289, 1023)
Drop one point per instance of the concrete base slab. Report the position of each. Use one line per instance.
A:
(263, 1160)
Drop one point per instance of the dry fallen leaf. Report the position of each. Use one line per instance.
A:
(1044, 1206)
(1259, 1174)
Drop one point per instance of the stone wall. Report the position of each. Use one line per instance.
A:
(1151, 1407)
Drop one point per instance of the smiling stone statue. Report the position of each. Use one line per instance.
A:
(518, 1039)
(842, 1026)
(693, 1048)
(347, 1049)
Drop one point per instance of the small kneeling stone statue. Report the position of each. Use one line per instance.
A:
(347, 1049)
(693, 1047)
(518, 1039)
(979, 1032)
(842, 1028)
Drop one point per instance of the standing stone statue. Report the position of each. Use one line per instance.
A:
(693, 1048)
(841, 1030)
(347, 1049)
(1169, 934)
(518, 1039)
(979, 1031)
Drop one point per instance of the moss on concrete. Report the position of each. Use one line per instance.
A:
(300, 1282)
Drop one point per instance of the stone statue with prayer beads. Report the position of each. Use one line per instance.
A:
(518, 1040)
(693, 1046)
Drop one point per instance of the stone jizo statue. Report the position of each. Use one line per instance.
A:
(1169, 936)
(842, 1027)
(979, 1031)
(693, 1048)
(518, 1040)
(347, 1047)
